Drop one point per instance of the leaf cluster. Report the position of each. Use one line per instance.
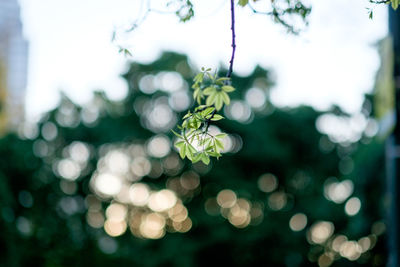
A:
(284, 12)
(215, 90)
(394, 3)
(185, 11)
(195, 141)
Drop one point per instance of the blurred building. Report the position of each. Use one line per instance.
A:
(13, 65)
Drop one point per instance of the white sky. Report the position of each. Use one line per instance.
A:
(333, 62)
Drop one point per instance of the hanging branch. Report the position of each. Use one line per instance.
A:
(233, 40)
(211, 94)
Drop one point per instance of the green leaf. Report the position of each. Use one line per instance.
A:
(221, 135)
(127, 52)
(228, 88)
(225, 98)
(214, 154)
(189, 133)
(211, 98)
(218, 101)
(243, 2)
(194, 123)
(215, 148)
(198, 116)
(222, 79)
(207, 143)
(217, 117)
(198, 95)
(200, 107)
(395, 4)
(209, 90)
(175, 133)
(210, 76)
(192, 149)
(199, 77)
(205, 159)
(196, 158)
(182, 151)
(190, 152)
(189, 155)
(179, 144)
(187, 115)
(219, 144)
(207, 111)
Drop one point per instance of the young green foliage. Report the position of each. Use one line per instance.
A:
(185, 11)
(395, 4)
(195, 141)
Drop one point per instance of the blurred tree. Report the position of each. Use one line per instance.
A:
(101, 185)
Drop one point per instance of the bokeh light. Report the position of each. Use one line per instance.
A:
(338, 241)
(117, 162)
(255, 97)
(353, 206)
(226, 198)
(179, 100)
(162, 200)
(325, 259)
(139, 194)
(350, 250)
(298, 222)
(211, 206)
(49, 131)
(152, 226)
(239, 111)
(107, 184)
(169, 81)
(321, 231)
(277, 200)
(114, 228)
(159, 146)
(337, 191)
(79, 151)
(68, 169)
(95, 219)
(140, 167)
(267, 182)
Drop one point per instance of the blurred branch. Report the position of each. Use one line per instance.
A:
(379, 2)
(277, 13)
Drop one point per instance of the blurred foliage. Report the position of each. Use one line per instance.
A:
(276, 198)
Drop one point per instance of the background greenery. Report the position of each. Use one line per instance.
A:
(46, 208)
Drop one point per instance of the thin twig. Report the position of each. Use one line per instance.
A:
(149, 9)
(257, 11)
(229, 74)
